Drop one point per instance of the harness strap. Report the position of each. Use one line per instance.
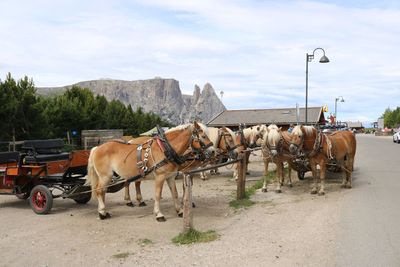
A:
(169, 152)
(148, 170)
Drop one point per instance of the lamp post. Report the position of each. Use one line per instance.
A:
(309, 58)
(341, 99)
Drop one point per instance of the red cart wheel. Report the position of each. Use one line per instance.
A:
(41, 199)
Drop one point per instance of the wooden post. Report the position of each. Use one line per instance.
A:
(68, 138)
(241, 181)
(187, 204)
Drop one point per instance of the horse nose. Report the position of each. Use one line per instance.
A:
(211, 151)
(274, 153)
(234, 154)
(292, 149)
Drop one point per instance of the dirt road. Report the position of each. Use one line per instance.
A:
(288, 229)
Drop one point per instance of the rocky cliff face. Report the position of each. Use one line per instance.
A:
(160, 96)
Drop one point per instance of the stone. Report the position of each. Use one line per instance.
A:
(160, 96)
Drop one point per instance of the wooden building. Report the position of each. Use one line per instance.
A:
(283, 117)
(92, 138)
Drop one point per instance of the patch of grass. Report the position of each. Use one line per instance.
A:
(194, 236)
(242, 203)
(144, 242)
(246, 202)
(122, 255)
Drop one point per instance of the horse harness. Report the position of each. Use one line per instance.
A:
(318, 145)
(222, 134)
(166, 148)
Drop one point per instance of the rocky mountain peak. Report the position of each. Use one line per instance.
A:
(158, 95)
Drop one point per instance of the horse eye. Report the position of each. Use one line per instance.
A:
(203, 136)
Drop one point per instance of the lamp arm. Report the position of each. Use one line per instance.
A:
(317, 49)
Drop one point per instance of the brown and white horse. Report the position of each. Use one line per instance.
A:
(320, 148)
(275, 148)
(225, 145)
(189, 164)
(249, 138)
(161, 157)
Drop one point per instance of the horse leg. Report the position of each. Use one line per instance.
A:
(127, 197)
(203, 176)
(139, 197)
(247, 163)
(174, 193)
(313, 166)
(235, 171)
(344, 174)
(101, 198)
(290, 176)
(322, 173)
(159, 182)
(266, 163)
(279, 167)
(349, 171)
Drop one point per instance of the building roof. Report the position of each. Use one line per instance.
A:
(267, 116)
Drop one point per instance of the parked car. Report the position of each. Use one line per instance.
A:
(396, 137)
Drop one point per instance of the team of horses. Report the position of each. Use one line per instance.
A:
(191, 146)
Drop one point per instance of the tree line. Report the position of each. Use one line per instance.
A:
(391, 118)
(26, 115)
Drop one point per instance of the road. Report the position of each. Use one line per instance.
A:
(369, 226)
(346, 227)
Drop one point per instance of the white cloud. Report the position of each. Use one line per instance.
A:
(247, 48)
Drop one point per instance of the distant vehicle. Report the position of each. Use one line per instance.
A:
(396, 137)
(329, 128)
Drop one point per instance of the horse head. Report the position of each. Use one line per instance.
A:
(251, 136)
(227, 142)
(260, 132)
(200, 140)
(297, 139)
(273, 139)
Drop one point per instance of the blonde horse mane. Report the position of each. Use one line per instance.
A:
(272, 135)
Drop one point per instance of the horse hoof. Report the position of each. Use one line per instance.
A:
(348, 186)
(130, 204)
(106, 216)
(193, 205)
(290, 185)
(161, 219)
(142, 204)
(180, 214)
(278, 190)
(343, 186)
(321, 193)
(264, 190)
(313, 192)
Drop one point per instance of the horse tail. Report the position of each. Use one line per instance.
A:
(92, 177)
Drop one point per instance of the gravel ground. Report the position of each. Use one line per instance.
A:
(287, 229)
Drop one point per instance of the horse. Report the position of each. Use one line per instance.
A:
(161, 157)
(320, 148)
(190, 153)
(248, 138)
(225, 145)
(275, 148)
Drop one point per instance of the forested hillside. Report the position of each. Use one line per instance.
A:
(27, 115)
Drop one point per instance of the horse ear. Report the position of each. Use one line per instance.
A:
(279, 129)
(196, 124)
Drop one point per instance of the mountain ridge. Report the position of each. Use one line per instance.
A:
(160, 96)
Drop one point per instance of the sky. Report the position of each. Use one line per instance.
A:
(253, 51)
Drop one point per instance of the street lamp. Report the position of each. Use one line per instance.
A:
(309, 58)
(340, 99)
